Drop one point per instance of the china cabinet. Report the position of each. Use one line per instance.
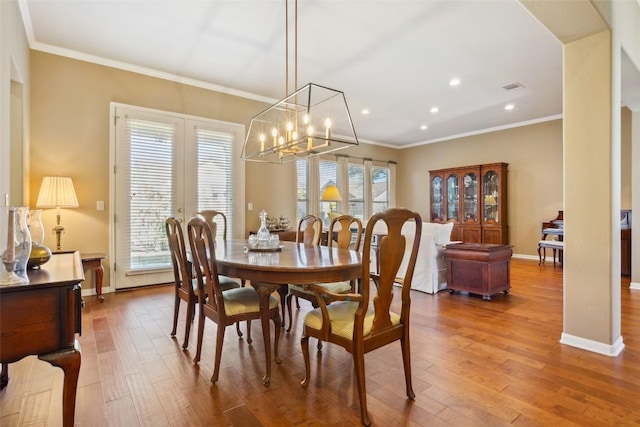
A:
(474, 198)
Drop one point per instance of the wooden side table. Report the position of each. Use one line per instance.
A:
(94, 261)
(478, 268)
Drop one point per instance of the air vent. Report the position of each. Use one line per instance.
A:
(513, 86)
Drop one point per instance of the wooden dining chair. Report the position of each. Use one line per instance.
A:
(212, 217)
(309, 233)
(362, 321)
(340, 235)
(186, 287)
(224, 308)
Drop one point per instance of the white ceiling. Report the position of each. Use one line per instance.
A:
(393, 57)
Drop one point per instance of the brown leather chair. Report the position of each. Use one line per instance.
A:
(340, 235)
(361, 322)
(185, 285)
(309, 233)
(224, 308)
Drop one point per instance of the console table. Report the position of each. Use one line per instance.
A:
(41, 318)
(94, 262)
(478, 268)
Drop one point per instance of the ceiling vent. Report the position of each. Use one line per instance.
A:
(513, 86)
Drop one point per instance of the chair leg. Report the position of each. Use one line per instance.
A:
(216, 363)
(249, 340)
(406, 360)
(319, 345)
(298, 303)
(176, 311)
(191, 311)
(304, 343)
(289, 297)
(277, 327)
(539, 255)
(283, 291)
(238, 329)
(358, 362)
(201, 320)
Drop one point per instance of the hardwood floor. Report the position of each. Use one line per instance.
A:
(474, 362)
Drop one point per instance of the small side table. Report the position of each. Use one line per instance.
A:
(94, 261)
(478, 268)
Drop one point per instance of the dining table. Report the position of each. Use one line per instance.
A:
(270, 270)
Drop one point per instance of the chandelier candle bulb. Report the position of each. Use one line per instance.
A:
(327, 124)
(262, 138)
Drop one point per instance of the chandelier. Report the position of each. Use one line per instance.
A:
(311, 121)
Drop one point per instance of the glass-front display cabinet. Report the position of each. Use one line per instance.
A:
(474, 198)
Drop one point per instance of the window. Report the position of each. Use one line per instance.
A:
(302, 174)
(328, 174)
(379, 188)
(356, 191)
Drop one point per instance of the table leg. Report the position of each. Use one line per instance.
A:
(4, 376)
(99, 275)
(264, 291)
(69, 361)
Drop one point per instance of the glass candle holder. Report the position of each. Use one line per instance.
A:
(15, 245)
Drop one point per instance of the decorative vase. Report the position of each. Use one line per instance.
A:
(15, 244)
(39, 252)
(263, 231)
(35, 226)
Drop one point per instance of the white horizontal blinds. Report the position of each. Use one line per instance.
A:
(215, 183)
(379, 188)
(302, 183)
(152, 192)
(356, 191)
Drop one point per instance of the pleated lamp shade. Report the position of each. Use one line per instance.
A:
(57, 192)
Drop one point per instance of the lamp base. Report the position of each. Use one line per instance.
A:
(40, 254)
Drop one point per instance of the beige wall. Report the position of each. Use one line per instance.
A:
(625, 159)
(534, 154)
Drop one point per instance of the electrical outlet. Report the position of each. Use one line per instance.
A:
(249, 206)
(100, 205)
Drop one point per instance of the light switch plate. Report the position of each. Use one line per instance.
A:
(100, 205)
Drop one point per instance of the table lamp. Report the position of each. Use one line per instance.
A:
(331, 195)
(57, 192)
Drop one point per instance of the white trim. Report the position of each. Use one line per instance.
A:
(487, 130)
(611, 350)
(634, 285)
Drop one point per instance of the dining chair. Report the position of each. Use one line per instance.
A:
(224, 308)
(363, 321)
(309, 233)
(212, 217)
(341, 233)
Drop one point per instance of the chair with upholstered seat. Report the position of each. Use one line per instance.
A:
(224, 308)
(185, 285)
(309, 233)
(363, 321)
(341, 231)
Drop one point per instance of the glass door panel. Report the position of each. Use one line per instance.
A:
(437, 200)
(453, 200)
(470, 181)
(490, 187)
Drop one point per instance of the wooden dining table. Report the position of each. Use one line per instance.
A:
(271, 271)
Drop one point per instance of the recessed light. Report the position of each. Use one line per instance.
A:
(365, 111)
(509, 107)
(424, 127)
(434, 109)
(454, 82)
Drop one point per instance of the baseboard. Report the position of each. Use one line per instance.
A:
(594, 346)
(92, 291)
(634, 285)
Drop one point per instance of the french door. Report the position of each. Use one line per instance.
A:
(166, 165)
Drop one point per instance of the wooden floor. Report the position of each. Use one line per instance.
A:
(475, 362)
